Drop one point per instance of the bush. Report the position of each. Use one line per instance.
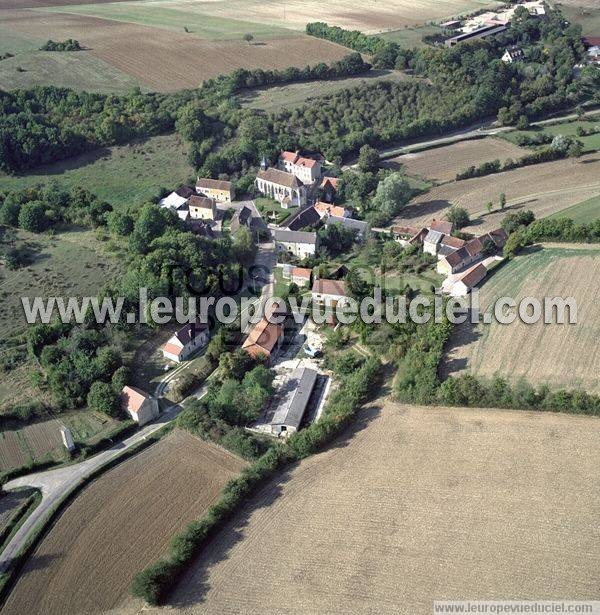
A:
(102, 398)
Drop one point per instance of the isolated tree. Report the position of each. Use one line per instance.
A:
(248, 37)
(489, 205)
(458, 216)
(102, 398)
(368, 159)
(32, 217)
(575, 149)
(502, 200)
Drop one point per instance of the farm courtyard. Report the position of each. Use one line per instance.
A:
(119, 524)
(552, 354)
(448, 503)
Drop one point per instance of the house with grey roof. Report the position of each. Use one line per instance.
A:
(295, 395)
(432, 241)
(299, 243)
(361, 228)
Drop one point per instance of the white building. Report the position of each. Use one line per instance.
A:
(142, 407)
(329, 292)
(177, 199)
(306, 170)
(299, 243)
(513, 54)
(186, 341)
(284, 187)
(67, 439)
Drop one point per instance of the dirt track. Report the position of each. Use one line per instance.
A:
(420, 504)
(543, 188)
(118, 525)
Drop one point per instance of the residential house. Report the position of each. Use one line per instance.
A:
(202, 208)
(220, 190)
(295, 395)
(329, 187)
(432, 242)
(190, 338)
(284, 187)
(327, 209)
(264, 340)
(328, 292)
(177, 199)
(307, 170)
(299, 243)
(406, 235)
(142, 407)
(513, 54)
(305, 218)
(358, 226)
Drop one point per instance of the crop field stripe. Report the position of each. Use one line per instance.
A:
(582, 213)
(200, 25)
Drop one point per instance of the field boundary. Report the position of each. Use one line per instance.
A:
(10, 577)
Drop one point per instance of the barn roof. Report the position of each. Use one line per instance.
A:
(299, 388)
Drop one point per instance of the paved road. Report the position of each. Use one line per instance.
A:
(57, 484)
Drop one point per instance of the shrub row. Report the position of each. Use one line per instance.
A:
(496, 166)
(153, 583)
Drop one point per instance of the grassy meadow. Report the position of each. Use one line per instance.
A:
(590, 143)
(582, 213)
(125, 175)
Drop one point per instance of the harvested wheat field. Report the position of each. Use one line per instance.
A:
(443, 163)
(543, 188)
(149, 55)
(552, 354)
(368, 16)
(119, 524)
(417, 504)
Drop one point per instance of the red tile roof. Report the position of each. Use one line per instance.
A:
(328, 208)
(474, 276)
(262, 338)
(442, 226)
(132, 399)
(329, 287)
(453, 242)
(301, 272)
(172, 349)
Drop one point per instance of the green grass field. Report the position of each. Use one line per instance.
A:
(15, 43)
(79, 70)
(126, 175)
(198, 24)
(411, 37)
(582, 213)
(588, 18)
(297, 94)
(590, 144)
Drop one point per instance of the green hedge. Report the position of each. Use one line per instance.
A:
(154, 582)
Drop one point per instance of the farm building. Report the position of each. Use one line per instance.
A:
(432, 241)
(329, 187)
(284, 187)
(304, 218)
(442, 226)
(358, 226)
(475, 34)
(468, 280)
(202, 208)
(299, 243)
(142, 407)
(450, 244)
(409, 235)
(190, 338)
(296, 393)
(328, 292)
(177, 199)
(307, 170)
(264, 339)
(461, 259)
(217, 189)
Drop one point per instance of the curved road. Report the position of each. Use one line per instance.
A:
(57, 484)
